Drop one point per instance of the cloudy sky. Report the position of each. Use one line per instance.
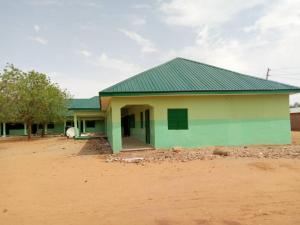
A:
(86, 46)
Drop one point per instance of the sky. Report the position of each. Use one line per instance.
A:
(88, 45)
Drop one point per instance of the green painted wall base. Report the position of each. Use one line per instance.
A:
(224, 133)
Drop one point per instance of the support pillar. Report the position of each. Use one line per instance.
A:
(45, 128)
(4, 130)
(25, 129)
(116, 129)
(79, 127)
(76, 125)
(84, 126)
(65, 127)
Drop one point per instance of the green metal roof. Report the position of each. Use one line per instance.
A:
(85, 104)
(185, 76)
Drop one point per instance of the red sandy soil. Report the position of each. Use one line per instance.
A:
(56, 181)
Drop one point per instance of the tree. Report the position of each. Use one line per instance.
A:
(39, 100)
(9, 93)
(31, 98)
(54, 106)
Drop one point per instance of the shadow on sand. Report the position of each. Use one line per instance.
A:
(99, 146)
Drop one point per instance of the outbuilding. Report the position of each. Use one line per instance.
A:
(295, 118)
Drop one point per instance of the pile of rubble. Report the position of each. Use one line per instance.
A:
(208, 153)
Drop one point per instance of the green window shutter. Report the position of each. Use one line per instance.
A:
(177, 119)
(142, 120)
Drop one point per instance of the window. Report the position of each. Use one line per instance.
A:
(132, 121)
(69, 124)
(50, 126)
(142, 120)
(91, 124)
(15, 126)
(177, 119)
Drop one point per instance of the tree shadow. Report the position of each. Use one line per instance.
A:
(97, 146)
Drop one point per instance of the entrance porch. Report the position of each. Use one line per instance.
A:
(89, 124)
(136, 128)
(133, 144)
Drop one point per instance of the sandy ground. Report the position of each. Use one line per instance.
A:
(61, 182)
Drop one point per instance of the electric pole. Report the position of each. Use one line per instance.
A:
(268, 73)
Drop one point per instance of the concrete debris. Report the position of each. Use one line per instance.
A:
(133, 159)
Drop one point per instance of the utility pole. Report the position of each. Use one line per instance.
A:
(268, 73)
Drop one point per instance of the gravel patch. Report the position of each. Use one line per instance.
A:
(178, 154)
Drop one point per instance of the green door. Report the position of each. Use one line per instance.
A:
(147, 126)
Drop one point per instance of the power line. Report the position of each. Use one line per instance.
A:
(282, 73)
(286, 68)
(295, 78)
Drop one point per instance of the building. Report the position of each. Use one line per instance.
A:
(295, 119)
(84, 112)
(191, 104)
(182, 103)
(87, 117)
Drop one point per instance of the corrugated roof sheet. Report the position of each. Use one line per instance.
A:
(85, 103)
(183, 75)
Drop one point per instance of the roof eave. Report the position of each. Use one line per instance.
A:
(285, 91)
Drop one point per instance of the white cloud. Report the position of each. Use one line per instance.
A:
(142, 6)
(214, 51)
(273, 41)
(123, 66)
(103, 71)
(146, 45)
(84, 53)
(72, 82)
(195, 13)
(280, 16)
(36, 28)
(39, 40)
(139, 21)
(113, 69)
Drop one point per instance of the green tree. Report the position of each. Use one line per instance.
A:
(54, 106)
(39, 100)
(31, 98)
(9, 93)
